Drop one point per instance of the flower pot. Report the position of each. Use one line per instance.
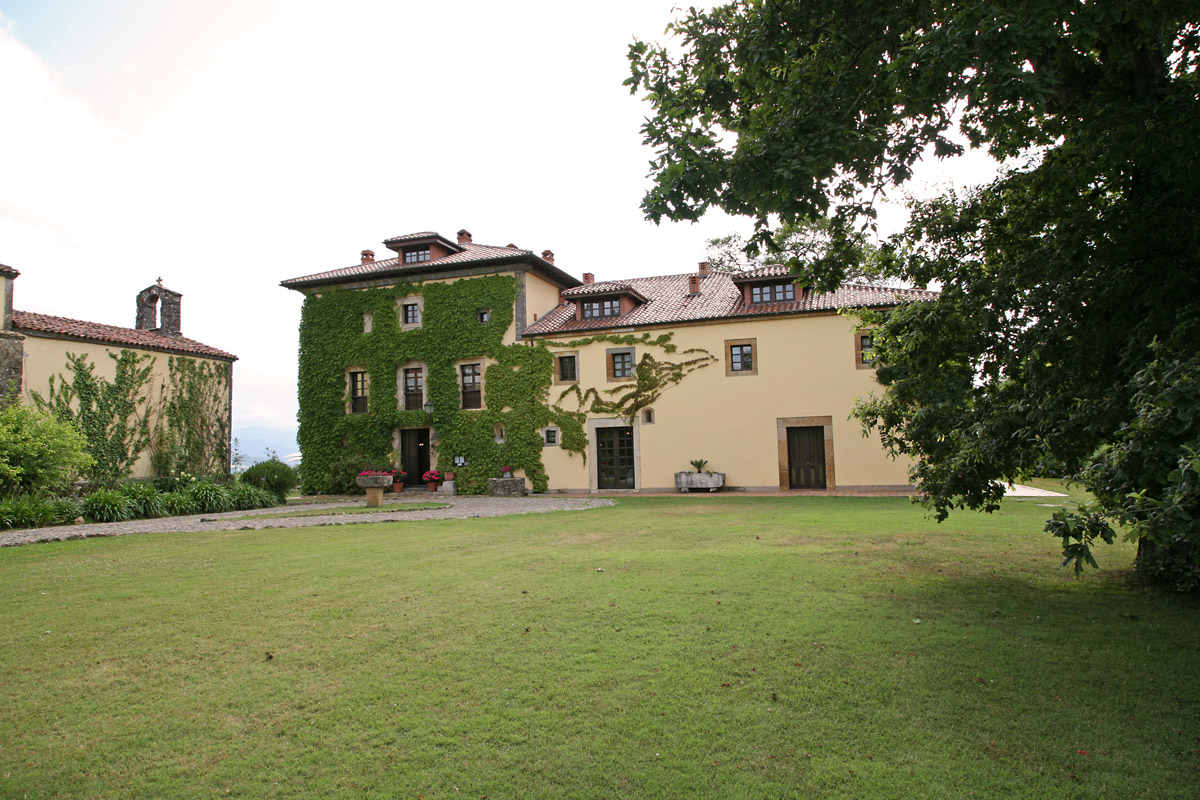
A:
(397, 487)
(506, 474)
(432, 486)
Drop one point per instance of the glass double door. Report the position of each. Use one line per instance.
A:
(614, 458)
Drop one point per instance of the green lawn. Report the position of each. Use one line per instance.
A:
(718, 647)
(340, 511)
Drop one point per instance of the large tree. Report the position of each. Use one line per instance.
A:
(1067, 332)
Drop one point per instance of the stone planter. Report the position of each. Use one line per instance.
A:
(374, 484)
(686, 481)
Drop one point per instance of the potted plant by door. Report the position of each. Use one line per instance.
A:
(398, 476)
(506, 471)
(432, 478)
(700, 479)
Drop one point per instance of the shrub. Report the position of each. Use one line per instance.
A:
(174, 481)
(246, 497)
(109, 505)
(147, 501)
(179, 503)
(209, 497)
(273, 475)
(66, 510)
(25, 511)
(38, 452)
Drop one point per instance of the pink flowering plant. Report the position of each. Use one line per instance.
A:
(506, 468)
(432, 476)
(395, 473)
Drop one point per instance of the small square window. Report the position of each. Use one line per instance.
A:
(415, 255)
(484, 315)
(550, 437)
(740, 357)
(410, 314)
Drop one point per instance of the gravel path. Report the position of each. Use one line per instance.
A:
(459, 508)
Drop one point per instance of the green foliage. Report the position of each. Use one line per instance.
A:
(271, 475)
(111, 415)
(1069, 283)
(338, 445)
(699, 464)
(797, 245)
(147, 501)
(109, 505)
(38, 452)
(179, 503)
(209, 498)
(25, 511)
(192, 430)
(244, 496)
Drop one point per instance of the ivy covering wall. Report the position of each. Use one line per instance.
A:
(516, 383)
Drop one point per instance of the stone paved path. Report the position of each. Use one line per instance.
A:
(459, 508)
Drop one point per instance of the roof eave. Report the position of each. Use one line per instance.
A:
(428, 267)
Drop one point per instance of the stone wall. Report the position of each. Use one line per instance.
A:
(507, 487)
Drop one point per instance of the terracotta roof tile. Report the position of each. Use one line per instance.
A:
(389, 266)
(62, 327)
(668, 301)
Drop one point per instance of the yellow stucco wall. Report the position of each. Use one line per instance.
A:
(806, 367)
(46, 357)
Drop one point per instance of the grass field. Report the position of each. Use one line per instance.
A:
(717, 647)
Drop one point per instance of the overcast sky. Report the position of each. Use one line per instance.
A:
(225, 145)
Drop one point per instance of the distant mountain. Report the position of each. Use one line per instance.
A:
(254, 440)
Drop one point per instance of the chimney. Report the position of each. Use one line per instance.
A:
(7, 275)
(548, 255)
(464, 236)
(368, 256)
(693, 284)
(703, 269)
(588, 279)
(148, 308)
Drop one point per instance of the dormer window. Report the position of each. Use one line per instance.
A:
(773, 293)
(593, 309)
(415, 255)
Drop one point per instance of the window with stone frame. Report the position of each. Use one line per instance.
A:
(741, 357)
(550, 437)
(471, 382)
(864, 350)
(414, 388)
(410, 314)
(568, 368)
(620, 365)
(358, 391)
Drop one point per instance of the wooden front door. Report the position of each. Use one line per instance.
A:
(614, 458)
(806, 458)
(414, 454)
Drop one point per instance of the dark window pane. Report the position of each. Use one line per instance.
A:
(416, 255)
(472, 394)
(741, 357)
(566, 368)
(412, 314)
(358, 392)
(414, 386)
(622, 365)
